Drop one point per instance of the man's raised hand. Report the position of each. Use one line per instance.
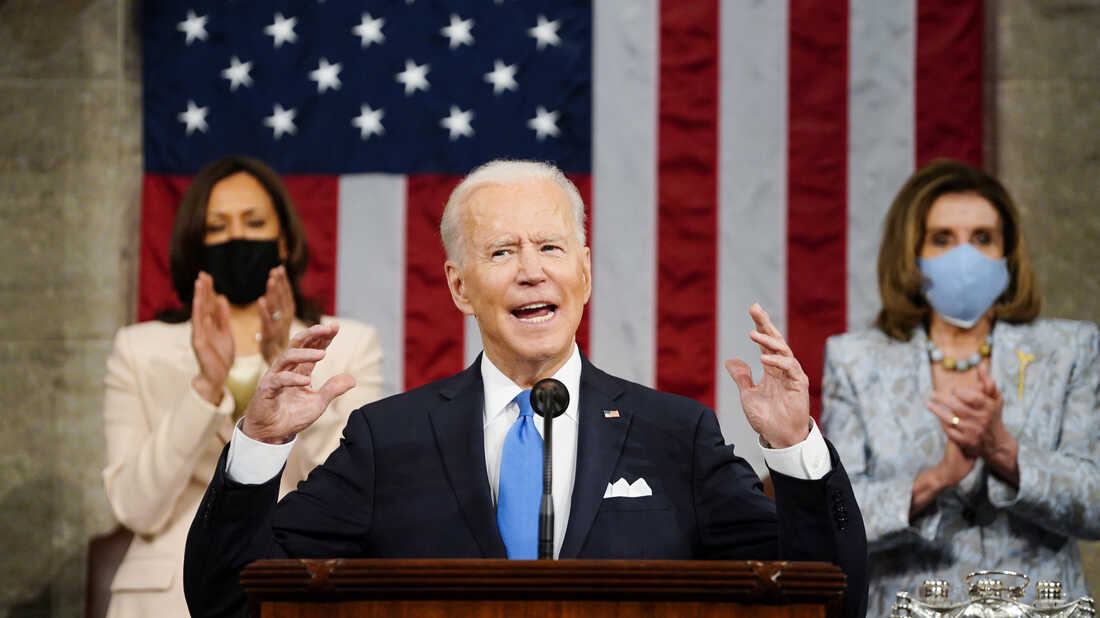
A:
(778, 407)
(285, 403)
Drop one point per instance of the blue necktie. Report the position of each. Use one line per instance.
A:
(521, 484)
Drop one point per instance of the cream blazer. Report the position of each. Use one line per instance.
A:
(163, 441)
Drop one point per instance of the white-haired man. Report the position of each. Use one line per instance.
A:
(442, 470)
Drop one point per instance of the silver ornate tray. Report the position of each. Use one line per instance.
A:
(991, 596)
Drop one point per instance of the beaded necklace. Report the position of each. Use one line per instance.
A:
(961, 364)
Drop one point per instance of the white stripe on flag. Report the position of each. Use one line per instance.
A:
(370, 275)
(752, 260)
(624, 190)
(881, 137)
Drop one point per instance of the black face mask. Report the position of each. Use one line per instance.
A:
(240, 267)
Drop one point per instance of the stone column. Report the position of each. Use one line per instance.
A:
(70, 173)
(1043, 106)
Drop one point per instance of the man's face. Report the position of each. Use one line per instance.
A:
(525, 276)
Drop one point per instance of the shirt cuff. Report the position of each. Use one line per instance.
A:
(808, 460)
(251, 462)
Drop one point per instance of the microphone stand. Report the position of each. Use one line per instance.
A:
(549, 398)
(546, 507)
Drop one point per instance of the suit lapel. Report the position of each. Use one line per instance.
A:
(460, 438)
(599, 443)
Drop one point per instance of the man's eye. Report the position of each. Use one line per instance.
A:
(500, 253)
(551, 248)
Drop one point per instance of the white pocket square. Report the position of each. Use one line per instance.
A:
(622, 489)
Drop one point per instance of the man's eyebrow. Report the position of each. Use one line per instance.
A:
(550, 238)
(504, 241)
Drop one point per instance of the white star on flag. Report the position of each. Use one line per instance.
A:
(282, 30)
(369, 121)
(237, 73)
(546, 32)
(194, 117)
(459, 31)
(414, 77)
(369, 30)
(544, 123)
(194, 26)
(326, 75)
(281, 121)
(458, 123)
(502, 77)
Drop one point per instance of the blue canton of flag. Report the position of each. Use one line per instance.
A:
(400, 86)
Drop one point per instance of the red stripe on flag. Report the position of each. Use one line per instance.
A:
(949, 80)
(160, 198)
(317, 199)
(687, 198)
(817, 157)
(584, 187)
(434, 328)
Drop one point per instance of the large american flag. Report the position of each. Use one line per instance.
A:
(729, 152)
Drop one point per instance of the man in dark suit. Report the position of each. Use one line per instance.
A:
(440, 471)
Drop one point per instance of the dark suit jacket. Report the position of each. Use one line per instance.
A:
(408, 481)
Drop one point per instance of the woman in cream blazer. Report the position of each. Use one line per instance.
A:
(163, 440)
(176, 386)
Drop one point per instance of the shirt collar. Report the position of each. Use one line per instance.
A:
(500, 390)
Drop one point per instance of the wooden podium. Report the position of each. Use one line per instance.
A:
(499, 588)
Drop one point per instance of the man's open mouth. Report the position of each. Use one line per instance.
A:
(535, 312)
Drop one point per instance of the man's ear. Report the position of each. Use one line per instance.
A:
(586, 273)
(457, 285)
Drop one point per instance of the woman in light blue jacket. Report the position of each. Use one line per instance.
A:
(969, 428)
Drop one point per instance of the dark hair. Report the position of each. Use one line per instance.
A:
(899, 279)
(189, 234)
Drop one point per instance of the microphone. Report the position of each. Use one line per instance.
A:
(549, 398)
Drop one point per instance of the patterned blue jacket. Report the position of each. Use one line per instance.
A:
(874, 393)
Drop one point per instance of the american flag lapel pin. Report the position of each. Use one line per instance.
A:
(611, 414)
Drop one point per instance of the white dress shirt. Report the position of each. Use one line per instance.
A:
(500, 414)
(252, 462)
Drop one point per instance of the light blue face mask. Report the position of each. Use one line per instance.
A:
(963, 283)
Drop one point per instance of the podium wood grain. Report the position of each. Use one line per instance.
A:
(535, 589)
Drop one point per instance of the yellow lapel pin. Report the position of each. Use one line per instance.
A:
(1025, 360)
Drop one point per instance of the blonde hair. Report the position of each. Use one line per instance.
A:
(900, 282)
(504, 172)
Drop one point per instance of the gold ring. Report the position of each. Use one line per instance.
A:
(954, 421)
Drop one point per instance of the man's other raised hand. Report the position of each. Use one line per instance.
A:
(285, 402)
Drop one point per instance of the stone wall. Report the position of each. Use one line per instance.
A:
(1043, 84)
(70, 179)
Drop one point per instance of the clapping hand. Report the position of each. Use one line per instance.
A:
(211, 339)
(276, 308)
(778, 407)
(972, 418)
(285, 403)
